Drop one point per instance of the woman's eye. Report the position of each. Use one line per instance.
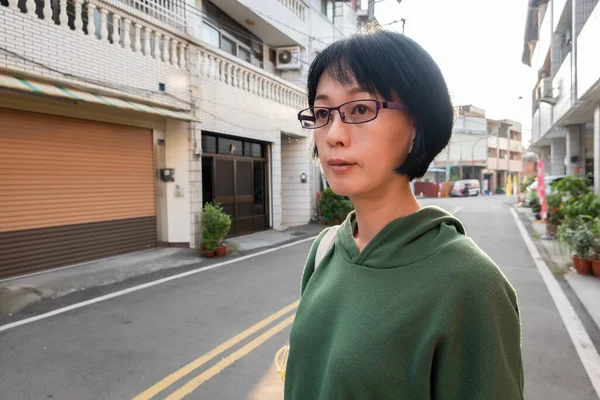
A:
(321, 114)
(361, 109)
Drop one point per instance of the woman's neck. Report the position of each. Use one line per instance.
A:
(375, 211)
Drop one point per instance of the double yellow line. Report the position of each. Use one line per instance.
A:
(198, 380)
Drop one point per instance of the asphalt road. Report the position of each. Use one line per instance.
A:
(119, 348)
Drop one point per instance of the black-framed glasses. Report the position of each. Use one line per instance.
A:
(352, 112)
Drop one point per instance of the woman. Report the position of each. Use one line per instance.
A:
(404, 305)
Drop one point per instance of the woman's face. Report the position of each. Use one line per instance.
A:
(359, 160)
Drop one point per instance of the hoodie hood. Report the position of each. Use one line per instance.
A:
(404, 241)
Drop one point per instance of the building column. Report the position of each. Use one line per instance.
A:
(597, 149)
(545, 157)
(575, 157)
(558, 150)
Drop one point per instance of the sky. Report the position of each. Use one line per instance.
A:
(478, 46)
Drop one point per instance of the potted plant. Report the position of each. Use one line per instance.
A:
(596, 247)
(582, 241)
(555, 214)
(215, 226)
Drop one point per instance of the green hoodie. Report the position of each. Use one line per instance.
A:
(420, 313)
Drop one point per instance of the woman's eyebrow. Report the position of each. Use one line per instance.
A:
(354, 90)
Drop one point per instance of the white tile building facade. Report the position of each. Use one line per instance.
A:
(561, 44)
(217, 65)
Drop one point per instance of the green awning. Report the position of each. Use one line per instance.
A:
(49, 89)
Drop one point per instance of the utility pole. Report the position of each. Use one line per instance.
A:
(370, 10)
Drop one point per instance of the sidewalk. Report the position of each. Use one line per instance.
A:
(17, 293)
(587, 288)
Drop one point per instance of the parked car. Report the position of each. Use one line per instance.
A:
(465, 187)
(548, 179)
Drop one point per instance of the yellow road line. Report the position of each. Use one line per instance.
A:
(197, 363)
(193, 384)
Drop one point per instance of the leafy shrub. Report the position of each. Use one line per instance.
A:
(334, 208)
(215, 225)
(586, 205)
(572, 186)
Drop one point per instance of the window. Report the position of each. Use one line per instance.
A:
(244, 54)
(231, 146)
(253, 150)
(228, 45)
(209, 144)
(211, 35)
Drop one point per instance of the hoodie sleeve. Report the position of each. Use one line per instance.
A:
(480, 358)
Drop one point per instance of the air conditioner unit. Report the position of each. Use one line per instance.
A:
(546, 92)
(546, 87)
(288, 58)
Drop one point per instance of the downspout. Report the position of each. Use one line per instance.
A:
(574, 53)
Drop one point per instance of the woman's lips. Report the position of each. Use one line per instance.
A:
(338, 165)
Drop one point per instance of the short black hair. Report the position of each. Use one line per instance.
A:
(384, 63)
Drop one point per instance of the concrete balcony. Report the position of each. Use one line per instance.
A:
(235, 98)
(543, 45)
(492, 163)
(588, 56)
(226, 70)
(562, 85)
(515, 165)
(277, 22)
(515, 146)
(545, 115)
(559, 11)
(96, 45)
(495, 142)
(535, 127)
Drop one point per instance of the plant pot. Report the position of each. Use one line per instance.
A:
(221, 251)
(209, 253)
(596, 268)
(583, 267)
(551, 229)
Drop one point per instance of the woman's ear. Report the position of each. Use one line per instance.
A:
(412, 139)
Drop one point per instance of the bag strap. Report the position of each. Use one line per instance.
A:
(325, 244)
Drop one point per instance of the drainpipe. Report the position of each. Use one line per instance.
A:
(574, 53)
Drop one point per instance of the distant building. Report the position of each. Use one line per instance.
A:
(505, 152)
(484, 149)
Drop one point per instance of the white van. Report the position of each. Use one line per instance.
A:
(458, 189)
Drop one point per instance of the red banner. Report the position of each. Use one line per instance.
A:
(541, 188)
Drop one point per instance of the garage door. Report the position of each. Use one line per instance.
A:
(72, 191)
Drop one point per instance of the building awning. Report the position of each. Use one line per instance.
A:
(49, 89)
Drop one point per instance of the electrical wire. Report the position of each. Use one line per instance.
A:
(110, 85)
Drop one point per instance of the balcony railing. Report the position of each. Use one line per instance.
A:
(296, 6)
(170, 12)
(104, 24)
(229, 70)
